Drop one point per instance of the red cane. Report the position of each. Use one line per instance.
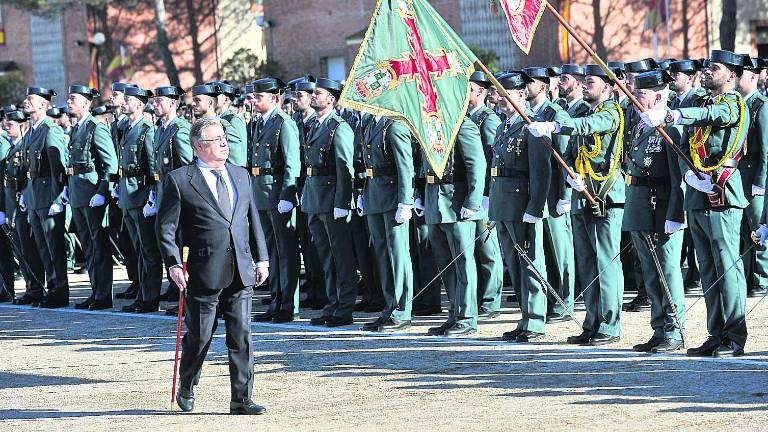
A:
(185, 254)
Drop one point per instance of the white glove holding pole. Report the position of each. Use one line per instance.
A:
(418, 207)
(563, 206)
(486, 203)
(672, 226)
(149, 209)
(55, 209)
(284, 206)
(653, 117)
(540, 129)
(22, 204)
(115, 193)
(467, 213)
(360, 206)
(340, 213)
(757, 190)
(762, 234)
(527, 218)
(576, 183)
(403, 213)
(704, 185)
(97, 201)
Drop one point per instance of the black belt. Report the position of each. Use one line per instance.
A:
(131, 174)
(259, 171)
(380, 172)
(320, 171)
(507, 172)
(31, 175)
(653, 182)
(75, 170)
(446, 179)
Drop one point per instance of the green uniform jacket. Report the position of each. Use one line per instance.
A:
(12, 169)
(135, 165)
(523, 173)
(724, 118)
(45, 158)
(488, 122)
(92, 161)
(579, 109)
(658, 194)
(386, 146)
(237, 137)
(754, 163)
(275, 147)
(605, 124)
(329, 148)
(467, 166)
(558, 187)
(5, 153)
(692, 98)
(172, 151)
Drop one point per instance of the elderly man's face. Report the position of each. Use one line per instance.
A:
(212, 147)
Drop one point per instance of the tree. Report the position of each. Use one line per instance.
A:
(486, 56)
(163, 44)
(245, 66)
(13, 88)
(728, 26)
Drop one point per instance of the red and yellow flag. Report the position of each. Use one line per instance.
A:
(523, 17)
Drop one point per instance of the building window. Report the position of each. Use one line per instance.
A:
(761, 40)
(336, 68)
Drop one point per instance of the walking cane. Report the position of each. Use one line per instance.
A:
(184, 254)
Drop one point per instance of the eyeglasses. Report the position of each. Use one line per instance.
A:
(219, 138)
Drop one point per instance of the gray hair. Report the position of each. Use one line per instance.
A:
(196, 132)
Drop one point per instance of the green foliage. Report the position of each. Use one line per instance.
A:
(245, 66)
(13, 88)
(487, 56)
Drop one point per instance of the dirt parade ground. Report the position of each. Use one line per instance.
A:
(69, 370)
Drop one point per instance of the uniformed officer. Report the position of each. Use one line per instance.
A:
(15, 210)
(571, 90)
(520, 177)
(715, 204)
(558, 233)
(274, 164)
(490, 267)
(452, 204)
(752, 167)
(596, 157)
(204, 103)
(92, 162)
(7, 270)
(45, 158)
(327, 199)
(387, 202)
(227, 93)
(654, 216)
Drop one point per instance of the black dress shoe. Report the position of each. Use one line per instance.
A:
(668, 345)
(319, 321)
(603, 339)
(427, 310)
(54, 303)
(758, 291)
(131, 307)
(460, 330)
(264, 317)
(511, 335)
(147, 308)
(185, 399)
(100, 305)
(338, 322)
(439, 330)
(728, 350)
(283, 317)
(706, 349)
(26, 300)
(374, 307)
(170, 295)
(638, 304)
(319, 304)
(557, 318)
(529, 336)
(81, 270)
(583, 338)
(372, 326)
(393, 325)
(489, 314)
(5, 298)
(85, 304)
(360, 306)
(306, 303)
(172, 311)
(648, 346)
(246, 407)
(130, 293)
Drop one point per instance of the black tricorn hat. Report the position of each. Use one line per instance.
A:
(641, 66)
(664, 64)
(538, 73)
(595, 70)
(572, 69)
(513, 80)
(306, 86)
(42, 92)
(304, 78)
(556, 71)
(238, 101)
(332, 86)
(103, 109)
(225, 88)
(267, 85)
(120, 86)
(479, 77)
(86, 91)
(139, 92)
(760, 63)
(149, 108)
(205, 89)
(616, 65)
(172, 92)
(728, 58)
(651, 79)
(685, 66)
(54, 112)
(15, 115)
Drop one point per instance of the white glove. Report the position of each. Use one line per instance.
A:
(491, 224)
(486, 203)
(758, 191)
(151, 198)
(540, 129)
(403, 213)
(64, 195)
(467, 213)
(3, 219)
(115, 192)
(97, 201)
(22, 203)
(301, 200)
(530, 218)
(576, 183)
(340, 213)
(761, 233)
(55, 209)
(149, 209)
(653, 117)
(672, 226)
(418, 207)
(284, 206)
(705, 185)
(563, 206)
(359, 205)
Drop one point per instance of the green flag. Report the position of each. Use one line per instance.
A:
(413, 67)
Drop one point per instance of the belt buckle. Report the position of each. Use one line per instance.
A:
(120, 172)
(430, 179)
(29, 175)
(71, 171)
(628, 180)
(309, 171)
(494, 172)
(157, 177)
(256, 171)
(653, 202)
(369, 172)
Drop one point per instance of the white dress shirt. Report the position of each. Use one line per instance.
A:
(211, 179)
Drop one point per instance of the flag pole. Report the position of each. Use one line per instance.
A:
(503, 92)
(621, 85)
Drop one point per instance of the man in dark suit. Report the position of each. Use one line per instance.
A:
(211, 201)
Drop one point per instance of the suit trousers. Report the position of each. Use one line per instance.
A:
(490, 269)
(449, 240)
(756, 261)
(93, 233)
(393, 261)
(561, 265)
(424, 269)
(48, 232)
(282, 244)
(28, 247)
(150, 264)
(7, 268)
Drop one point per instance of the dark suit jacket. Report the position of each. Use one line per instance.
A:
(216, 243)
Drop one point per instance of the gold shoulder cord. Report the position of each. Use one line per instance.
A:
(696, 143)
(583, 160)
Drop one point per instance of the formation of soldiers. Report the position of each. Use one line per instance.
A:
(348, 198)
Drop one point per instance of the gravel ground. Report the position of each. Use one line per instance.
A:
(78, 370)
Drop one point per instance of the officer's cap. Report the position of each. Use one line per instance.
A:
(479, 78)
(54, 112)
(86, 91)
(514, 80)
(205, 89)
(538, 73)
(664, 64)
(556, 71)
(267, 85)
(139, 92)
(225, 88)
(332, 86)
(103, 109)
(685, 66)
(306, 86)
(753, 64)
(120, 86)
(238, 101)
(173, 92)
(641, 66)
(727, 58)
(42, 92)
(304, 78)
(572, 69)
(652, 79)
(612, 65)
(15, 115)
(149, 108)
(595, 70)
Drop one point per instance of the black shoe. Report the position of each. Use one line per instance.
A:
(54, 303)
(692, 288)
(246, 407)
(319, 304)
(488, 315)
(170, 295)
(728, 350)
(5, 298)
(266, 301)
(460, 330)
(374, 307)
(372, 326)
(393, 325)
(85, 304)
(758, 291)
(362, 305)
(264, 317)
(529, 336)
(668, 345)
(338, 322)
(100, 305)
(583, 338)
(440, 330)
(306, 303)
(147, 308)
(131, 307)
(427, 310)
(603, 339)
(638, 304)
(283, 317)
(130, 293)
(557, 318)
(319, 321)
(648, 346)
(185, 399)
(172, 311)
(706, 349)
(81, 270)
(26, 300)
(511, 335)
